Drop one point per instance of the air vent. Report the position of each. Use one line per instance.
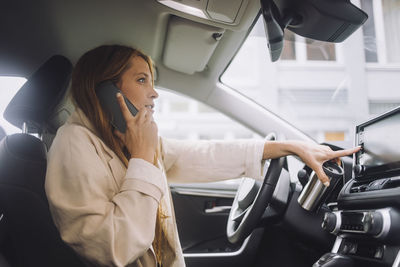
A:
(357, 188)
(380, 184)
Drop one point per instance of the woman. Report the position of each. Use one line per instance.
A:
(108, 191)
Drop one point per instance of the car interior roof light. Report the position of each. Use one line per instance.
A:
(184, 8)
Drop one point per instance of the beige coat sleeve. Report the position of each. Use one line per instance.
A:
(107, 224)
(208, 161)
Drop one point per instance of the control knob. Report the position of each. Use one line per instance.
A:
(329, 222)
(373, 223)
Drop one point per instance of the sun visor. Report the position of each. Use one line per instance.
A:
(189, 45)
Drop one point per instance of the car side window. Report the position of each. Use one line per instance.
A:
(8, 88)
(181, 117)
(2, 132)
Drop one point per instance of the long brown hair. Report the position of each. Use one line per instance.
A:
(108, 62)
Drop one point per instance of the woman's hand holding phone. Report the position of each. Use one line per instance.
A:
(141, 136)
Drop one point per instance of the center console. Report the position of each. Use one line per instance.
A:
(366, 218)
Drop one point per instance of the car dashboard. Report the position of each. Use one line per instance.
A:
(366, 219)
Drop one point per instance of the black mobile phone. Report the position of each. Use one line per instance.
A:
(107, 95)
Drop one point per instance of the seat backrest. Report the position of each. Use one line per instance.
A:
(31, 236)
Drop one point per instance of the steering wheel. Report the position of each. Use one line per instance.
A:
(251, 200)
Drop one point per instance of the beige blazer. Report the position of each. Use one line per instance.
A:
(107, 212)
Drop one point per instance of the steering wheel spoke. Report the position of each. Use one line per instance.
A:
(239, 214)
(251, 200)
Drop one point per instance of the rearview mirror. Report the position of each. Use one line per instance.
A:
(323, 20)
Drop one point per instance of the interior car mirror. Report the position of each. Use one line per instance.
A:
(323, 20)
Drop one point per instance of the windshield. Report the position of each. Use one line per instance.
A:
(325, 89)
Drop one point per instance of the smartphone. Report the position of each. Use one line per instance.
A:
(107, 95)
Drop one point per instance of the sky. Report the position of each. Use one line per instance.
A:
(8, 88)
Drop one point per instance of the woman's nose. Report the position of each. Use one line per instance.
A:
(153, 93)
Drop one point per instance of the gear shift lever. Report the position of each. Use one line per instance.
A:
(334, 260)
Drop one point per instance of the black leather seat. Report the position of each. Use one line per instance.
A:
(31, 238)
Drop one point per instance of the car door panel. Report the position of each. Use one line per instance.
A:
(201, 213)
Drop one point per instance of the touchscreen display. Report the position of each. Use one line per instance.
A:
(380, 141)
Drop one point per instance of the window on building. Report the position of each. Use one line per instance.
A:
(334, 136)
(317, 50)
(295, 48)
(391, 21)
(312, 96)
(382, 31)
(370, 48)
(312, 50)
(289, 46)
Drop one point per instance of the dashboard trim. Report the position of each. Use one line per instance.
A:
(219, 254)
(386, 222)
(396, 262)
(337, 244)
(338, 222)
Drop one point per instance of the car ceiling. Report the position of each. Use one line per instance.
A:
(32, 31)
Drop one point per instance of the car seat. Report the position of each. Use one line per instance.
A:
(29, 236)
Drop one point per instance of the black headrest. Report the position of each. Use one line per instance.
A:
(37, 98)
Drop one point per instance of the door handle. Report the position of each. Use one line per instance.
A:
(218, 209)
